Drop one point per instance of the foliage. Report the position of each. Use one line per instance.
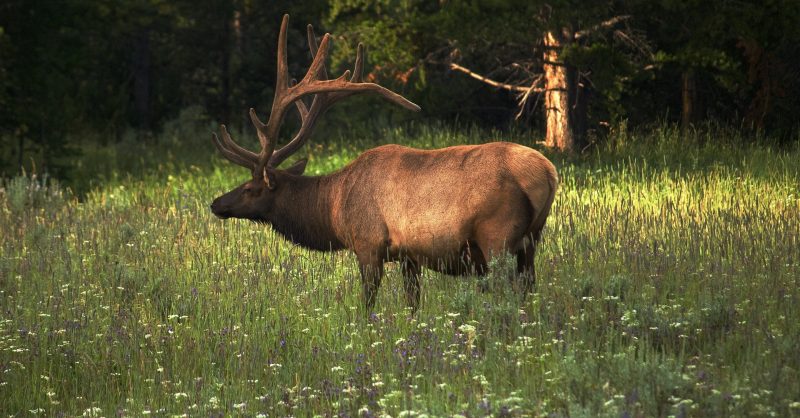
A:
(31, 194)
(666, 286)
(87, 72)
(633, 71)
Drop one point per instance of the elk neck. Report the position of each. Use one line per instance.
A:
(302, 212)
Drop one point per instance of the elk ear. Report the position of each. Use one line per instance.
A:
(268, 180)
(298, 167)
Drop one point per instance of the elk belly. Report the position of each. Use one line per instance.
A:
(438, 249)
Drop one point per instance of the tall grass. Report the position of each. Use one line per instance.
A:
(668, 285)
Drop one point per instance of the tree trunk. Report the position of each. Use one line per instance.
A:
(565, 107)
(688, 100)
(141, 79)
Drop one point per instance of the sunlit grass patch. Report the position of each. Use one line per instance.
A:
(664, 288)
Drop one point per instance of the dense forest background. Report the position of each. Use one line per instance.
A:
(94, 72)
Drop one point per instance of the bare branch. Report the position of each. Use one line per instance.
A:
(493, 83)
(523, 101)
(602, 25)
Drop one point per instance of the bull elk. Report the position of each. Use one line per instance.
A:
(448, 209)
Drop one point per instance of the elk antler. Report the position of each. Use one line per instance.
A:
(320, 103)
(326, 92)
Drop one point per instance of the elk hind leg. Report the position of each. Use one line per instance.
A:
(492, 246)
(525, 264)
(527, 255)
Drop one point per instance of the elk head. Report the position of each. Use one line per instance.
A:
(254, 199)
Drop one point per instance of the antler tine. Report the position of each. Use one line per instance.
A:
(302, 109)
(313, 47)
(234, 147)
(358, 68)
(233, 152)
(301, 105)
(312, 39)
(267, 144)
(268, 133)
(282, 82)
(353, 88)
(318, 63)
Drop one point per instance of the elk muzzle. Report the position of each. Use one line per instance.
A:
(220, 209)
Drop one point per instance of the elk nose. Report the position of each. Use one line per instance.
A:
(215, 206)
(218, 209)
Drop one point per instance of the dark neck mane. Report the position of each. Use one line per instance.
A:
(302, 212)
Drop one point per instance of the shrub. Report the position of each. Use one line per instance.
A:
(25, 192)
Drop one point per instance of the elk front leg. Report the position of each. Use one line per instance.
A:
(410, 270)
(371, 274)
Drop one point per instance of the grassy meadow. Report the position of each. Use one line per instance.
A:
(668, 285)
